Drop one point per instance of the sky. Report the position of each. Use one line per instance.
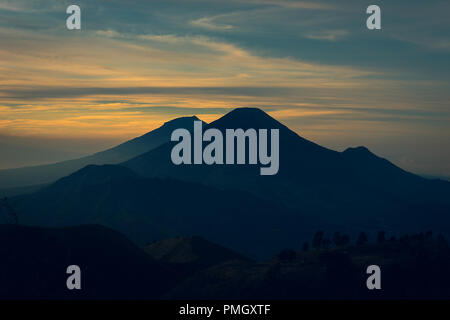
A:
(313, 65)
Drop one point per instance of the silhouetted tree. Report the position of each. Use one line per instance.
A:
(345, 240)
(381, 237)
(326, 243)
(305, 246)
(393, 238)
(429, 235)
(421, 237)
(362, 239)
(404, 238)
(337, 238)
(287, 255)
(317, 240)
(340, 240)
(442, 242)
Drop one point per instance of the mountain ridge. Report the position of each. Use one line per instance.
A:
(320, 163)
(44, 174)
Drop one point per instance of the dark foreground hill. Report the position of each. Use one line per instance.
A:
(34, 263)
(413, 267)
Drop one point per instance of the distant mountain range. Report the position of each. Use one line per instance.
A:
(148, 198)
(44, 174)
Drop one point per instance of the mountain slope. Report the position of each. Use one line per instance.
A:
(36, 175)
(295, 152)
(147, 209)
(191, 250)
(189, 255)
(354, 187)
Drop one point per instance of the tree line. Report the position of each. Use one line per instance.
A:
(321, 241)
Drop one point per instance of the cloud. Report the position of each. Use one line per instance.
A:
(208, 23)
(108, 33)
(329, 35)
(311, 5)
(9, 6)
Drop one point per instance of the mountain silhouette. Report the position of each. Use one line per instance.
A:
(44, 174)
(294, 152)
(350, 188)
(149, 198)
(301, 160)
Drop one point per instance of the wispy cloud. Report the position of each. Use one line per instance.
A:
(208, 23)
(311, 5)
(330, 35)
